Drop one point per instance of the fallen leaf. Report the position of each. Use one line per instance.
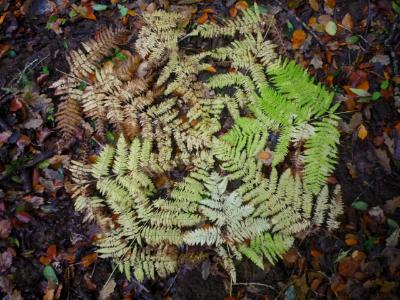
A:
(208, 10)
(331, 28)
(360, 205)
(351, 239)
(383, 159)
(363, 85)
(23, 216)
(202, 19)
(316, 61)
(382, 59)
(241, 5)
(5, 228)
(89, 283)
(347, 22)
(298, 38)
(52, 252)
(5, 261)
(107, 290)
(44, 260)
(15, 105)
(391, 205)
(314, 4)
(362, 132)
(50, 274)
(211, 69)
(89, 259)
(393, 239)
(330, 3)
(233, 11)
(347, 267)
(4, 49)
(33, 123)
(291, 256)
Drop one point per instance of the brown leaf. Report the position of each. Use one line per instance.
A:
(3, 49)
(233, 11)
(347, 22)
(211, 69)
(44, 260)
(107, 290)
(241, 5)
(15, 105)
(202, 19)
(89, 259)
(347, 267)
(5, 228)
(52, 252)
(391, 205)
(298, 38)
(362, 132)
(330, 3)
(314, 4)
(291, 256)
(351, 239)
(89, 283)
(5, 261)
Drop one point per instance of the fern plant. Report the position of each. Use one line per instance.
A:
(169, 122)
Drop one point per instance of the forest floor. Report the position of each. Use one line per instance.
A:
(351, 46)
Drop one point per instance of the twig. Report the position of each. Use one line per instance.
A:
(72, 76)
(256, 283)
(305, 26)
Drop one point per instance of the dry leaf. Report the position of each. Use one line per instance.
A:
(362, 132)
(89, 259)
(347, 22)
(52, 252)
(233, 11)
(211, 69)
(314, 4)
(298, 38)
(242, 5)
(202, 19)
(391, 205)
(107, 290)
(330, 3)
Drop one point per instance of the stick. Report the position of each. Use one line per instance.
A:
(305, 26)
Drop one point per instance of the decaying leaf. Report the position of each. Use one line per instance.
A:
(107, 290)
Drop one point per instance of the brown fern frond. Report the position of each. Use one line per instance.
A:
(68, 117)
(86, 61)
(126, 70)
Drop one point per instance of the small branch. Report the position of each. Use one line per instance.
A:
(72, 76)
(305, 26)
(257, 284)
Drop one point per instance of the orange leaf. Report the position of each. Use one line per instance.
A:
(44, 260)
(347, 22)
(315, 253)
(312, 21)
(52, 252)
(202, 19)
(36, 183)
(211, 69)
(351, 241)
(347, 267)
(298, 38)
(233, 11)
(132, 13)
(208, 10)
(3, 49)
(15, 105)
(161, 181)
(362, 132)
(363, 85)
(330, 3)
(89, 259)
(3, 16)
(242, 5)
(264, 155)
